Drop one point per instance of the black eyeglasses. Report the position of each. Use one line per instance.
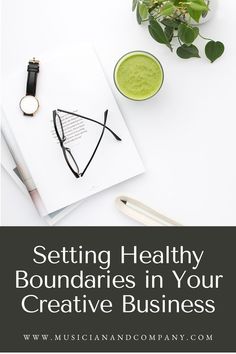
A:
(70, 160)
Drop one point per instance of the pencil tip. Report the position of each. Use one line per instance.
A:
(124, 201)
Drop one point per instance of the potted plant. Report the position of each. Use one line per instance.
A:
(176, 20)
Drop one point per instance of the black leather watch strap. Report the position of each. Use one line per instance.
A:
(33, 70)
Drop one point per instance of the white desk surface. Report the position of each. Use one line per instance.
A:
(186, 134)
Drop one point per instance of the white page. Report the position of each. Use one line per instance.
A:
(72, 80)
(8, 163)
(13, 162)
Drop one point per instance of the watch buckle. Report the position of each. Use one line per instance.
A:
(34, 61)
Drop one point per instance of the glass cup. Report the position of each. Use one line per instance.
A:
(138, 75)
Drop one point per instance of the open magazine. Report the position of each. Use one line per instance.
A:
(35, 145)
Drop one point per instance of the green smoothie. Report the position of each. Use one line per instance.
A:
(138, 75)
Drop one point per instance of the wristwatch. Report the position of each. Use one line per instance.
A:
(29, 103)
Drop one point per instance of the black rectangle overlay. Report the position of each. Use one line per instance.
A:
(199, 316)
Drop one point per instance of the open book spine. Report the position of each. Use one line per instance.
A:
(9, 165)
(21, 166)
(16, 155)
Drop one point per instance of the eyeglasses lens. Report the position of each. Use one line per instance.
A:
(59, 127)
(71, 161)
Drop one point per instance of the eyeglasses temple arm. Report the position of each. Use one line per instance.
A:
(92, 120)
(95, 150)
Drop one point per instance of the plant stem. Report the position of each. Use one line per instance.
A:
(206, 39)
(180, 41)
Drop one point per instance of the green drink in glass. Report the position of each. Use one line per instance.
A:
(138, 75)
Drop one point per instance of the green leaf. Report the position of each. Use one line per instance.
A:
(157, 33)
(186, 34)
(203, 3)
(186, 52)
(214, 50)
(139, 19)
(171, 23)
(196, 9)
(158, 38)
(195, 15)
(148, 2)
(134, 4)
(169, 32)
(176, 2)
(196, 32)
(143, 11)
(167, 9)
(198, 6)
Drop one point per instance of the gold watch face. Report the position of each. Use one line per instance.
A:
(29, 105)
